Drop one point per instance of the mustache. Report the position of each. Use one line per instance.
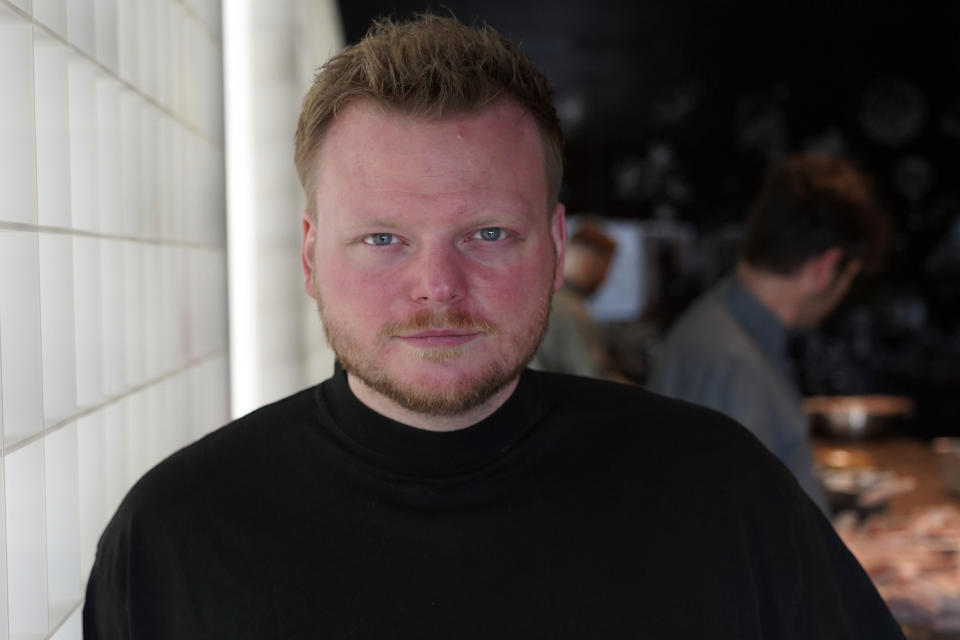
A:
(428, 319)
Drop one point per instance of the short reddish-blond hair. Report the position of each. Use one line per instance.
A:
(429, 67)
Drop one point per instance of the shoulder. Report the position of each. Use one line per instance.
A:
(707, 349)
(252, 434)
(219, 463)
(681, 449)
(633, 413)
(174, 499)
(690, 469)
(707, 327)
(706, 340)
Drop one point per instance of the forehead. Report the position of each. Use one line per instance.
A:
(372, 147)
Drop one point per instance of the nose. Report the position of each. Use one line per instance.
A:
(438, 276)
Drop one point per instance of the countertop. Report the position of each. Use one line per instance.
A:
(904, 456)
(913, 458)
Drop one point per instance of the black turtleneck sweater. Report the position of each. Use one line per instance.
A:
(580, 509)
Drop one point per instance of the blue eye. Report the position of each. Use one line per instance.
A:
(491, 234)
(379, 239)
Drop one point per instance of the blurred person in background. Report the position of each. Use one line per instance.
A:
(434, 487)
(813, 227)
(572, 343)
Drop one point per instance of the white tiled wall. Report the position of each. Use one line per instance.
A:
(113, 328)
(272, 50)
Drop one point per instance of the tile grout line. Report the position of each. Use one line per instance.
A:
(207, 29)
(63, 619)
(46, 431)
(162, 242)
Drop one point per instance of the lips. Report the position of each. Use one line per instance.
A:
(439, 337)
(439, 333)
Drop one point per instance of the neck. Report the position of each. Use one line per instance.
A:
(387, 407)
(779, 293)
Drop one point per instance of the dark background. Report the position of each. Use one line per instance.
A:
(673, 110)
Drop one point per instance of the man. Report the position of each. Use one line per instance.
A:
(811, 229)
(434, 488)
(571, 344)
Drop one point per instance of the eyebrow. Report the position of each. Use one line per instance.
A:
(358, 222)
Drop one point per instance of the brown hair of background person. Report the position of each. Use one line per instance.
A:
(808, 204)
(589, 254)
(431, 67)
(591, 236)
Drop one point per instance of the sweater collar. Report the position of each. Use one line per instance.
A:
(404, 449)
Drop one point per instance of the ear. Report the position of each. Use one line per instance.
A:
(558, 231)
(307, 252)
(821, 270)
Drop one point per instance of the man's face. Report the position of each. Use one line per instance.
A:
(432, 256)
